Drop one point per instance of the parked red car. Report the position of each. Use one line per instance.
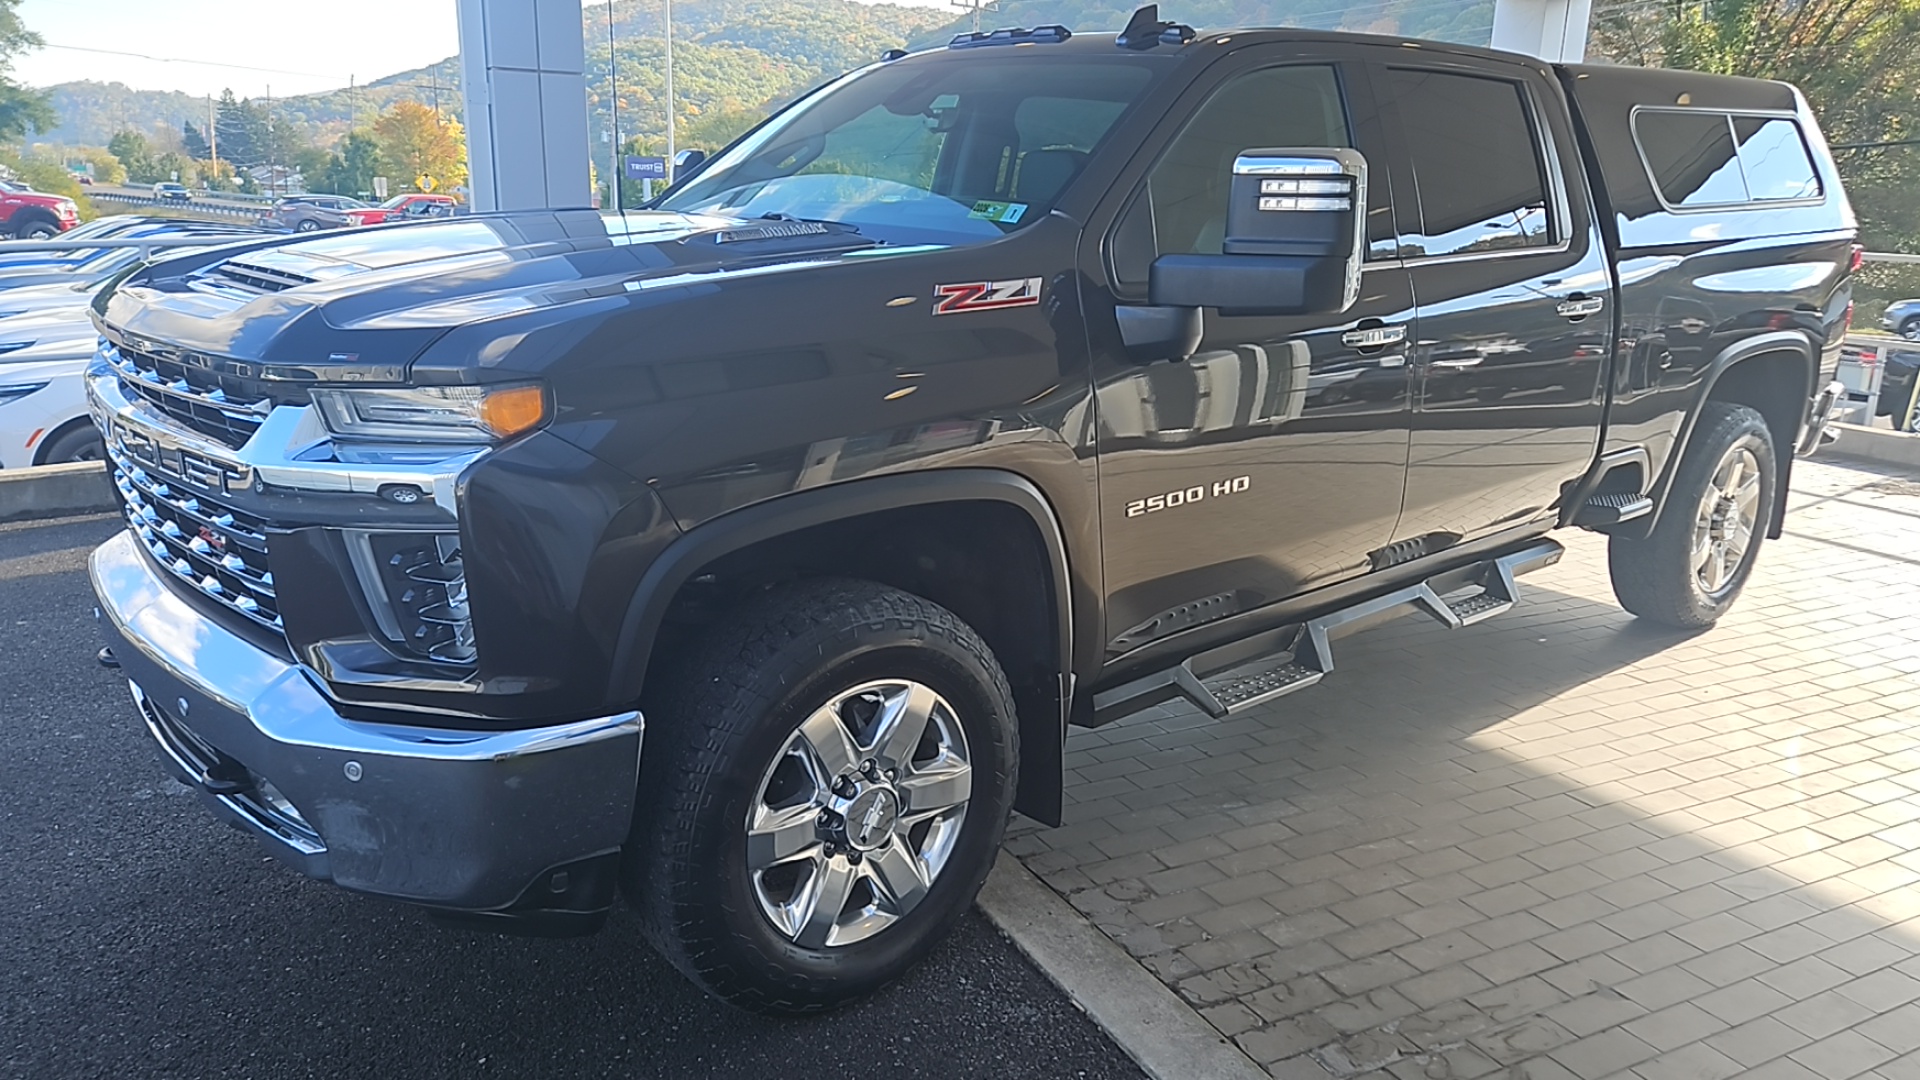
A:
(400, 207)
(26, 214)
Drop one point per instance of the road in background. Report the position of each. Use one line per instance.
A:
(139, 937)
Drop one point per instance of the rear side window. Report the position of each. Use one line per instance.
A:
(1702, 159)
(1477, 162)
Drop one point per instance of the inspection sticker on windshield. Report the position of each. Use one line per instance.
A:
(1006, 213)
(985, 295)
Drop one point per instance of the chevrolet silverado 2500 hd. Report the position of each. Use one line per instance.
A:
(1026, 382)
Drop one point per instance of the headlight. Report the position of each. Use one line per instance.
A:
(455, 414)
(11, 394)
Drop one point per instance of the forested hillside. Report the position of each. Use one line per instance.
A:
(733, 59)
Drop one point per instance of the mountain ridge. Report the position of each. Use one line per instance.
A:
(733, 59)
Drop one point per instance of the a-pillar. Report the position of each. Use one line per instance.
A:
(1549, 29)
(522, 68)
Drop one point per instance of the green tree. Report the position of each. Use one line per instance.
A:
(351, 169)
(106, 167)
(21, 109)
(195, 143)
(240, 129)
(131, 148)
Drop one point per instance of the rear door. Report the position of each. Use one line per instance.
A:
(1511, 287)
(1270, 462)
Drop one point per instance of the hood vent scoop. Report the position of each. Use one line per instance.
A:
(256, 278)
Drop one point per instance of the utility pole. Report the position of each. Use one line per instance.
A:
(353, 105)
(613, 77)
(669, 169)
(976, 6)
(213, 140)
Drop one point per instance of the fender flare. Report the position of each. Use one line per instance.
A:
(1777, 341)
(1043, 761)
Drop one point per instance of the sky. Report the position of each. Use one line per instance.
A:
(313, 44)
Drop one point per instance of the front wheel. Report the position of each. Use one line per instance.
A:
(37, 229)
(1689, 570)
(830, 786)
(1910, 329)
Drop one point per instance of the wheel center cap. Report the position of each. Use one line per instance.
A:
(870, 818)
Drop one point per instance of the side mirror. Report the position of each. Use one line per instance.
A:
(687, 161)
(1295, 238)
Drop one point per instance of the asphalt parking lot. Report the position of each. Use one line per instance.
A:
(138, 937)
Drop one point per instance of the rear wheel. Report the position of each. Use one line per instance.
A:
(308, 225)
(1689, 570)
(830, 786)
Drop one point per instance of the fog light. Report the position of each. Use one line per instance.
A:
(417, 587)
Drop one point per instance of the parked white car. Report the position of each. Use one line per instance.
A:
(43, 406)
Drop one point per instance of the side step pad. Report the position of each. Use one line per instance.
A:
(1226, 681)
(1612, 509)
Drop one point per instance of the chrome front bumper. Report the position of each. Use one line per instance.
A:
(476, 821)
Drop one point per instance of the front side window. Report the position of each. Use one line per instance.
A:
(1476, 161)
(961, 150)
(1183, 208)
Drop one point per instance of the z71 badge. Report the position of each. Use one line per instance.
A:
(985, 295)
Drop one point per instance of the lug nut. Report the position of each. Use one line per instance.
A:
(892, 774)
(825, 818)
(868, 767)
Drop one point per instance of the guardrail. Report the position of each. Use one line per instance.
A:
(193, 206)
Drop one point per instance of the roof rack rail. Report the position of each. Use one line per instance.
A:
(1014, 35)
(1145, 30)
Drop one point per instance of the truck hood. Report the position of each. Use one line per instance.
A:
(387, 292)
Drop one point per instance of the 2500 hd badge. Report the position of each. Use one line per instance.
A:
(1187, 496)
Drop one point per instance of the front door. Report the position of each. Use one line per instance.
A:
(1510, 278)
(1272, 461)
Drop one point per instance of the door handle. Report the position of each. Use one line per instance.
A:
(1579, 307)
(1457, 362)
(1374, 337)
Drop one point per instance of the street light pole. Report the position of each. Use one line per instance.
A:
(669, 169)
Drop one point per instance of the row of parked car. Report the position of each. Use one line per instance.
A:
(47, 338)
(311, 213)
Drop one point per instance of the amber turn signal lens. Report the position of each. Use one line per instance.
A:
(513, 410)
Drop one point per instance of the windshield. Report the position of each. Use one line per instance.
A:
(961, 150)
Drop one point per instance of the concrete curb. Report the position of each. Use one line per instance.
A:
(1876, 444)
(1150, 1022)
(55, 491)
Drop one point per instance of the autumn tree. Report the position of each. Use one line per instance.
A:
(418, 142)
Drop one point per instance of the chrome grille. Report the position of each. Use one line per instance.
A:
(218, 550)
(196, 397)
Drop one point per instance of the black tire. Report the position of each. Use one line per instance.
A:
(36, 227)
(81, 443)
(721, 725)
(1659, 578)
(1910, 328)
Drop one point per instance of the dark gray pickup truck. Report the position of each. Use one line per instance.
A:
(1030, 381)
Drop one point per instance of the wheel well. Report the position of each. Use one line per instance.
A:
(30, 214)
(985, 561)
(51, 437)
(1772, 384)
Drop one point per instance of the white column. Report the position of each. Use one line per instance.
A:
(1549, 29)
(522, 67)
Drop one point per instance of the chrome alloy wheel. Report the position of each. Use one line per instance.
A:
(1723, 528)
(859, 813)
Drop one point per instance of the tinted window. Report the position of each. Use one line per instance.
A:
(1692, 157)
(1476, 160)
(1184, 210)
(1774, 158)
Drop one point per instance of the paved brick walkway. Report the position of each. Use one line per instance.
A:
(1557, 844)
